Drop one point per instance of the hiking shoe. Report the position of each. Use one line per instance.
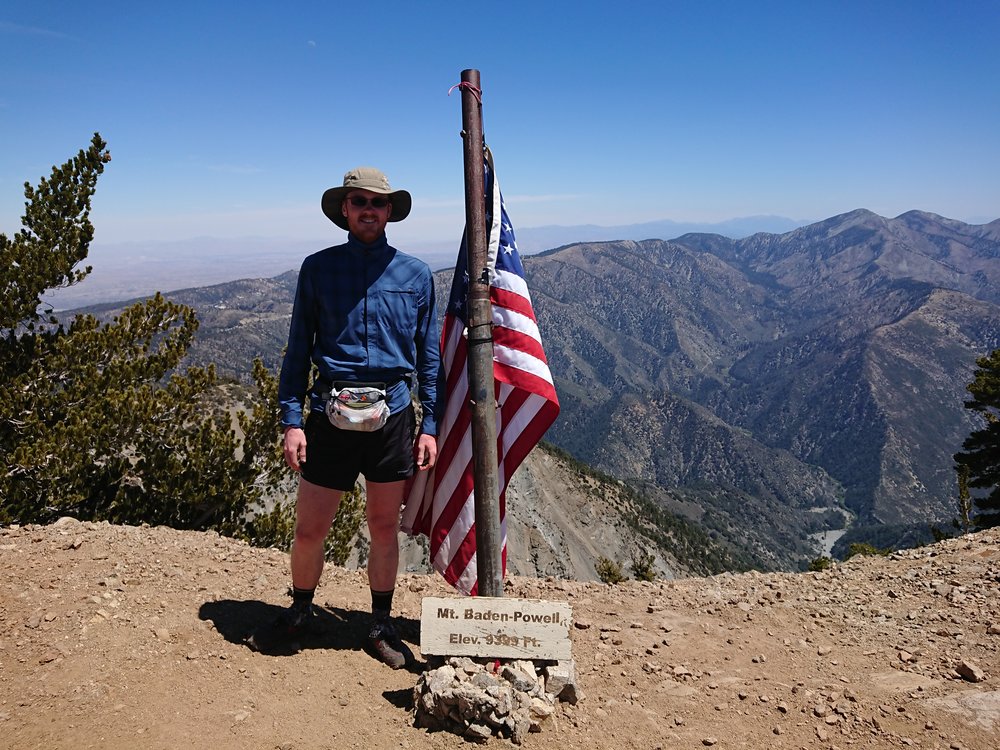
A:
(280, 634)
(388, 646)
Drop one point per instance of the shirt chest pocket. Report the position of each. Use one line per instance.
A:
(399, 311)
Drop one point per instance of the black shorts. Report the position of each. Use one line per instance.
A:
(335, 457)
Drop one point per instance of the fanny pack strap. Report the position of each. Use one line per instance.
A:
(339, 385)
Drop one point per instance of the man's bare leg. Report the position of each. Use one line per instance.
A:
(384, 500)
(315, 510)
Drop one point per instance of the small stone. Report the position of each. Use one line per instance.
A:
(560, 681)
(478, 733)
(709, 741)
(540, 709)
(518, 678)
(970, 671)
(582, 624)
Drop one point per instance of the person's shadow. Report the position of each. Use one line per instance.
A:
(330, 628)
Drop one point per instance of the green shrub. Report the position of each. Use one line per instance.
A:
(642, 566)
(821, 563)
(609, 571)
(866, 550)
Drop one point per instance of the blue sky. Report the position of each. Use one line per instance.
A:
(229, 119)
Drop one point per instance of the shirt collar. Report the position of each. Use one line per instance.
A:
(382, 243)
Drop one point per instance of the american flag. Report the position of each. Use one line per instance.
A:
(441, 501)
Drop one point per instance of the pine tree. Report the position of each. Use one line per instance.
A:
(96, 420)
(980, 457)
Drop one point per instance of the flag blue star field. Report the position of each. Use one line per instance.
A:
(441, 502)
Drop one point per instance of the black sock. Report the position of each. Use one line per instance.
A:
(302, 598)
(382, 603)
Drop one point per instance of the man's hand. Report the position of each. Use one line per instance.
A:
(295, 447)
(425, 451)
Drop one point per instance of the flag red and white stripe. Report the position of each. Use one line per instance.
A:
(441, 502)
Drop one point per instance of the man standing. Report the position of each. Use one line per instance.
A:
(364, 317)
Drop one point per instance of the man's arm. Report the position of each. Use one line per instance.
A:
(294, 378)
(427, 342)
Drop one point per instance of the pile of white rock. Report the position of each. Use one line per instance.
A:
(478, 698)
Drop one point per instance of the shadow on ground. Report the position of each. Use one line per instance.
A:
(331, 628)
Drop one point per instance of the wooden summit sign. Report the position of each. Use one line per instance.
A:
(495, 627)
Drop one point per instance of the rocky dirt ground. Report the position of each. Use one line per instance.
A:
(124, 637)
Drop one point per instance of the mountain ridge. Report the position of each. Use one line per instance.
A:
(786, 351)
(816, 354)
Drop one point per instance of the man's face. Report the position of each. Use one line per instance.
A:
(366, 221)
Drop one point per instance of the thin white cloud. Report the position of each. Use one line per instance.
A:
(311, 43)
(6, 27)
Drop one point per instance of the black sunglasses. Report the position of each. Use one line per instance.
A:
(360, 201)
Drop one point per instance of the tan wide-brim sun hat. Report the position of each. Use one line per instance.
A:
(365, 178)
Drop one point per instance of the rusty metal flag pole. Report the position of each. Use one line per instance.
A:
(489, 560)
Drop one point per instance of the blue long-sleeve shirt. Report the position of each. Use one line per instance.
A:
(362, 313)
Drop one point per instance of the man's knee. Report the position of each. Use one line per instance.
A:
(382, 524)
(310, 534)
(315, 510)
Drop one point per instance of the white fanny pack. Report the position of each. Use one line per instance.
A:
(362, 408)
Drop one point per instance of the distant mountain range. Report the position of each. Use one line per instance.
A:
(132, 269)
(778, 376)
(771, 388)
(536, 239)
